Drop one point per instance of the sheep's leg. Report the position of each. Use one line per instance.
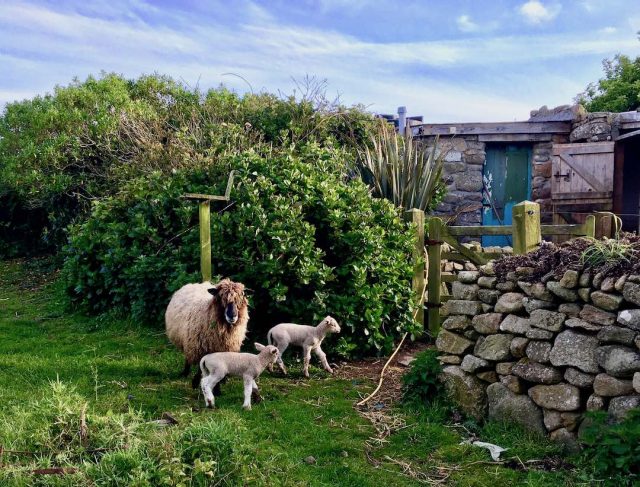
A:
(186, 370)
(306, 350)
(255, 392)
(248, 388)
(281, 348)
(323, 359)
(207, 384)
(217, 390)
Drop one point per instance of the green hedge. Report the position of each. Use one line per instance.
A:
(308, 241)
(87, 140)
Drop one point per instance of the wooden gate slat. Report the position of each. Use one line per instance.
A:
(582, 172)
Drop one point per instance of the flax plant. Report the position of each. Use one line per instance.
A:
(402, 170)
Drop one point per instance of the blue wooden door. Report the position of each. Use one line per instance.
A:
(507, 181)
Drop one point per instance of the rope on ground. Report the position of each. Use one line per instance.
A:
(368, 398)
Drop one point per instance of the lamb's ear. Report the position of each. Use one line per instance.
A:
(259, 347)
(213, 291)
(274, 351)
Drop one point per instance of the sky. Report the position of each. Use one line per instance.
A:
(447, 60)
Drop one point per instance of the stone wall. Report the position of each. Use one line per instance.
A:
(463, 162)
(595, 127)
(541, 354)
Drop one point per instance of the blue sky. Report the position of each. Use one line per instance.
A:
(456, 60)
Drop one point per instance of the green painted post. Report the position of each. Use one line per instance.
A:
(416, 217)
(205, 240)
(435, 274)
(590, 226)
(204, 201)
(526, 227)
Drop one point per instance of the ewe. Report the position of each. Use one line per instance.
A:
(205, 318)
(308, 337)
(216, 366)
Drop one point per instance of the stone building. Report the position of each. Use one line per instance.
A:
(569, 161)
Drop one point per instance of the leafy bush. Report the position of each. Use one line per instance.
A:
(618, 90)
(307, 241)
(613, 450)
(62, 151)
(421, 384)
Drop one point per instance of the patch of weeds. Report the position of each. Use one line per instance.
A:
(612, 451)
(421, 383)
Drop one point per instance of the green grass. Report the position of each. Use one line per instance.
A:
(127, 375)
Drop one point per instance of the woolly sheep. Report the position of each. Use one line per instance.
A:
(308, 337)
(216, 366)
(206, 318)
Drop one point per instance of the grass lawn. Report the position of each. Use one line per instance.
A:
(54, 362)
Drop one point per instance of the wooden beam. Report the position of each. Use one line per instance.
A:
(478, 231)
(416, 217)
(583, 148)
(495, 128)
(618, 178)
(515, 138)
(569, 229)
(204, 197)
(486, 256)
(629, 135)
(582, 195)
(434, 271)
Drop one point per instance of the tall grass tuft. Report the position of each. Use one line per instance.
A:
(607, 251)
(402, 170)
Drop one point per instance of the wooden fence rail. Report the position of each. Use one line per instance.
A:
(526, 232)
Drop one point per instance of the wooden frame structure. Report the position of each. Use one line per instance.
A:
(526, 231)
(204, 221)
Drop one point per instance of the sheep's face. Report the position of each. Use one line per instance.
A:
(269, 350)
(332, 325)
(230, 299)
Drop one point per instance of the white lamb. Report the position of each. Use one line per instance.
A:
(216, 366)
(308, 337)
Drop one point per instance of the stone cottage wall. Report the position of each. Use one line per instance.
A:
(463, 162)
(595, 127)
(541, 354)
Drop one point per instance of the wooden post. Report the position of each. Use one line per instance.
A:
(526, 227)
(416, 217)
(590, 226)
(204, 201)
(205, 240)
(604, 224)
(434, 277)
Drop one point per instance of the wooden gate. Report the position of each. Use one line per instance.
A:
(582, 180)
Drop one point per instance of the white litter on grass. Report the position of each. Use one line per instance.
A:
(494, 450)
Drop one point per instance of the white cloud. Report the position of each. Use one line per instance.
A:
(536, 13)
(608, 30)
(465, 24)
(42, 46)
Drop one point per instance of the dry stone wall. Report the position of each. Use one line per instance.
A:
(542, 353)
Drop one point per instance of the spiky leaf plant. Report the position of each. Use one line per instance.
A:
(403, 170)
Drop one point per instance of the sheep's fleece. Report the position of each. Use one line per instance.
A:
(195, 319)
